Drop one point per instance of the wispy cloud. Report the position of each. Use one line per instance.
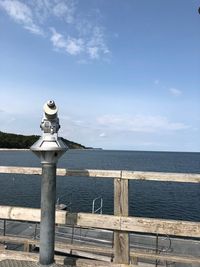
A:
(81, 35)
(140, 123)
(142, 131)
(22, 14)
(102, 135)
(96, 44)
(175, 92)
(65, 10)
(71, 45)
(93, 47)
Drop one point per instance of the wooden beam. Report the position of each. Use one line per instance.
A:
(121, 239)
(20, 170)
(59, 246)
(120, 223)
(140, 253)
(62, 172)
(140, 224)
(94, 263)
(165, 257)
(99, 221)
(28, 214)
(160, 226)
(162, 176)
(130, 175)
(25, 256)
(89, 173)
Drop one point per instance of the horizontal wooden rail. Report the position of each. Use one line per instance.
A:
(25, 256)
(140, 253)
(131, 175)
(120, 223)
(139, 224)
(34, 257)
(28, 214)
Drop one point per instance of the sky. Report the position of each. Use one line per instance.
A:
(125, 74)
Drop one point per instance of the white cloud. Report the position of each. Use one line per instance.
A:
(102, 135)
(96, 44)
(93, 52)
(57, 39)
(22, 14)
(175, 92)
(65, 10)
(45, 9)
(75, 46)
(71, 45)
(139, 123)
(84, 35)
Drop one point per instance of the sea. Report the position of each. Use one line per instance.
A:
(153, 199)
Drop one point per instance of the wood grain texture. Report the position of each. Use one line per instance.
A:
(161, 176)
(28, 214)
(25, 256)
(130, 175)
(160, 226)
(140, 253)
(140, 224)
(98, 221)
(121, 239)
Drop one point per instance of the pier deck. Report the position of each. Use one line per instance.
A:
(77, 238)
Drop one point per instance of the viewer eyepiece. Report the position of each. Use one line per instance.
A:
(51, 103)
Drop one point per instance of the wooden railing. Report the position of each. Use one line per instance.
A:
(120, 222)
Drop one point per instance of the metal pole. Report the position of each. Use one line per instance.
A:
(48, 201)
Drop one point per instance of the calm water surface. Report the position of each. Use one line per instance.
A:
(149, 199)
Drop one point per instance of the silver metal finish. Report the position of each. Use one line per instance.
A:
(49, 148)
(48, 202)
(95, 208)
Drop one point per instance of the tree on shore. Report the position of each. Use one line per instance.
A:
(10, 140)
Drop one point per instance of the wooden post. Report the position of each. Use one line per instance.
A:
(121, 239)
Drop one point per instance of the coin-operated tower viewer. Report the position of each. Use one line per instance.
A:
(49, 148)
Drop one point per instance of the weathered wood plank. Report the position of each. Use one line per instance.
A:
(28, 214)
(120, 223)
(161, 176)
(20, 170)
(98, 221)
(121, 197)
(139, 224)
(121, 239)
(90, 173)
(165, 257)
(160, 226)
(86, 248)
(26, 256)
(59, 246)
(130, 175)
(94, 263)
(62, 172)
(69, 248)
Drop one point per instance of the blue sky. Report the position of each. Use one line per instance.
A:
(125, 74)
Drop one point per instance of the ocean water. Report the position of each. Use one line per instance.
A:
(146, 198)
